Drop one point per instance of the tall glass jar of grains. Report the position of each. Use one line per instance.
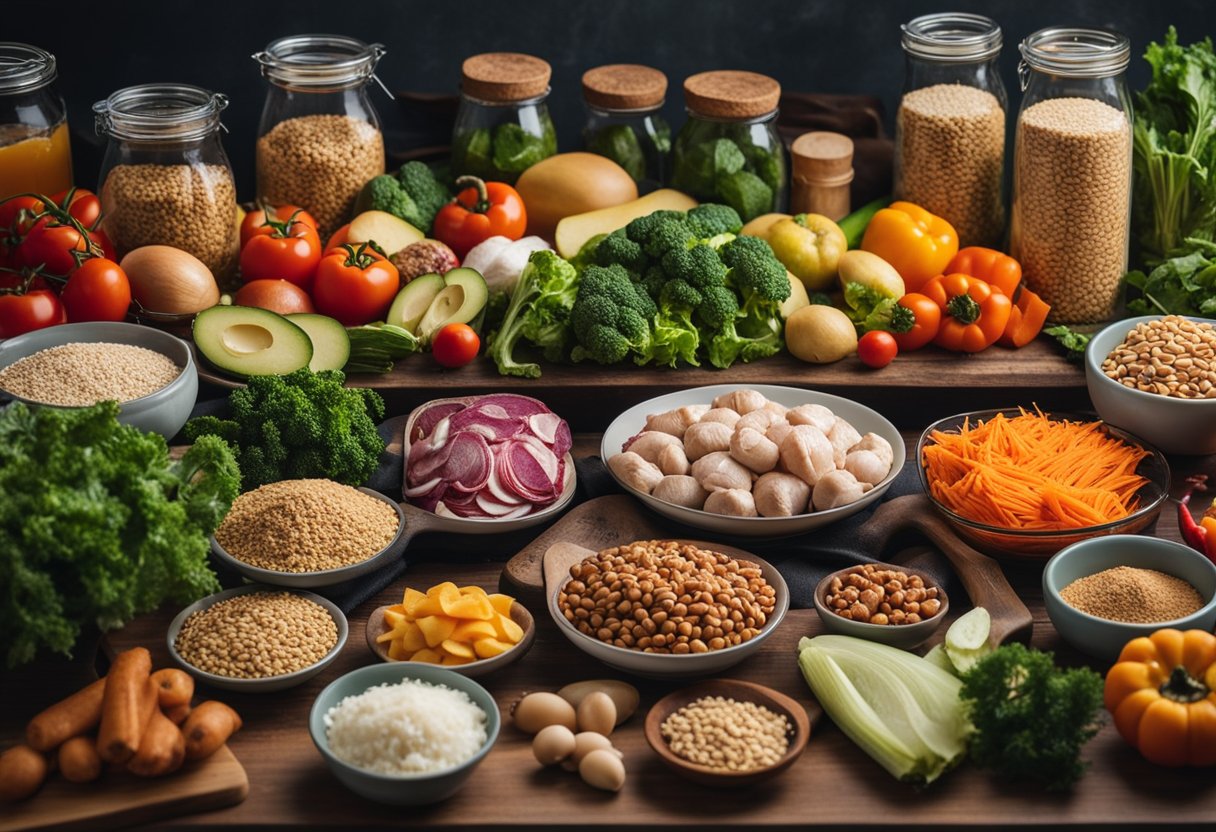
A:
(623, 121)
(1072, 170)
(950, 128)
(165, 179)
(503, 125)
(34, 152)
(728, 150)
(319, 140)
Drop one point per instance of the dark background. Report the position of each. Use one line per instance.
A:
(834, 46)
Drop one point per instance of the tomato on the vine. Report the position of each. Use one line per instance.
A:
(877, 348)
(255, 221)
(82, 204)
(455, 345)
(53, 247)
(287, 250)
(11, 212)
(97, 291)
(355, 287)
(20, 314)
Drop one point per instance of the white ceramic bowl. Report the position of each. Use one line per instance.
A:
(1176, 426)
(633, 420)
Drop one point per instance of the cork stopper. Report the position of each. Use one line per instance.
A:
(823, 158)
(729, 93)
(501, 77)
(624, 87)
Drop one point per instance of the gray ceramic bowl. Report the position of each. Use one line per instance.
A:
(402, 789)
(1176, 426)
(328, 577)
(903, 636)
(270, 684)
(1105, 639)
(163, 411)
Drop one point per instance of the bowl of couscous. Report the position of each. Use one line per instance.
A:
(151, 374)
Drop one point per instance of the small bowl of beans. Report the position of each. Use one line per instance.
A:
(881, 602)
(1102, 593)
(1155, 376)
(257, 639)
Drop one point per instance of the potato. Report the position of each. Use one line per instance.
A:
(820, 334)
(571, 183)
(870, 270)
(798, 296)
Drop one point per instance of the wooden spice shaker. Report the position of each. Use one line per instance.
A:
(822, 170)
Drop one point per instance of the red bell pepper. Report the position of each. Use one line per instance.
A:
(1199, 536)
(480, 211)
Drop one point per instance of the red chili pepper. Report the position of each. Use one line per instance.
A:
(1199, 536)
(480, 211)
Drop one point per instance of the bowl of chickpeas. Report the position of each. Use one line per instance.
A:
(881, 602)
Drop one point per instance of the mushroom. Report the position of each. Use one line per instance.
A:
(741, 401)
(676, 421)
(777, 433)
(705, 438)
(843, 436)
(811, 414)
(737, 502)
(681, 490)
(718, 472)
(634, 471)
(753, 448)
(724, 415)
(781, 495)
(672, 460)
(837, 488)
(881, 447)
(866, 466)
(807, 453)
(759, 420)
(649, 443)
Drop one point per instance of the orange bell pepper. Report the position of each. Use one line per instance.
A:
(997, 269)
(1026, 319)
(974, 314)
(918, 244)
(1162, 694)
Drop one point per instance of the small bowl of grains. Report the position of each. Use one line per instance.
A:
(1102, 593)
(881, 602)
(309, 533)
(1155, 376)
(727, 732)
(257, 639)
(151, 374)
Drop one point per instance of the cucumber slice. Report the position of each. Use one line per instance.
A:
(970, 631)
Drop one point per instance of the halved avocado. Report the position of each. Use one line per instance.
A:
(462, 299)
(330, 343)
(413, 301)
(246, 341)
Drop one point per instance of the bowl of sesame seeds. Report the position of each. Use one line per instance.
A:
(150, 373)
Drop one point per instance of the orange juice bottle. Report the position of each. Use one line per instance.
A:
(35, 155)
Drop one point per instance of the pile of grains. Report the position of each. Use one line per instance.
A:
(306, 526)
(726, 734)
(191, 207)
(1132, 595)
(667, 597)
(410, 727)
(1070, 212)
(83, 374)
(321, 163)
(1172, 356)
(257, 635)
(882, 596)
(951, 158)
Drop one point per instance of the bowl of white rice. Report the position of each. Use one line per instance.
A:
(404, 735)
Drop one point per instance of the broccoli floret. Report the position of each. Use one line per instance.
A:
(653, 280)
(761, 283)
(618, 249)
(412, 194)
(680, 293)
(718, 307)
(754, 269)
(429, 192)
(747, 193)
(539, 313)
(710, 220)
(661, 232)
(611, 317)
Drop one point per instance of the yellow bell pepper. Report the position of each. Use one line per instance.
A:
(918, 244)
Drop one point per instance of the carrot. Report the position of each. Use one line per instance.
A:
(125, 708)
(178, 713)
(78, 760)
(162, 750)
(1026, 319)
(68, 718)
(208, 727)
(174, 687)
(1032, 473)
(22, 772)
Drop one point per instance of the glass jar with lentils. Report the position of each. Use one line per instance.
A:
(165, 179)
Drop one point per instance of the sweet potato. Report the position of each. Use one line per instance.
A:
(178, 713)
(22, 772)
(125, 707)
(78, 714)
(174, 687)
(162, 750)
(78, 760)
(208, 727)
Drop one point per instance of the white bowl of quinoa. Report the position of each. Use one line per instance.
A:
(150, 373)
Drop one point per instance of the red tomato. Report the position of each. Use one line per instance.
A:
(97, 291)
(455, 345)
(289, 252)
(255, 221)
(373, 249)
(275, 295)
(25, 313)
(877, 348)
(12, 208)
(49, 246)
(81, 204)
(355, 287)
(338, 238)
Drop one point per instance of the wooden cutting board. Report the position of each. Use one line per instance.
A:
(121, 799)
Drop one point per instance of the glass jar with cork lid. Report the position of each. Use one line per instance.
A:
(1072, 171)
(728, 150)
(35, 156)
(623, 121)
(502, 125)
(950, 126)
(319, 139)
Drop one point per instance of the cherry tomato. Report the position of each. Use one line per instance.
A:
(81, 204)
(49, 245)
(877, 348)
(354, 287)
(455, 345)
(97, 291)
(275, 295)
(255, 221)
(926, 320)
(25, 313)
(289, 251)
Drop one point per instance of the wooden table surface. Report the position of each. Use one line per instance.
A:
(832, 784)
